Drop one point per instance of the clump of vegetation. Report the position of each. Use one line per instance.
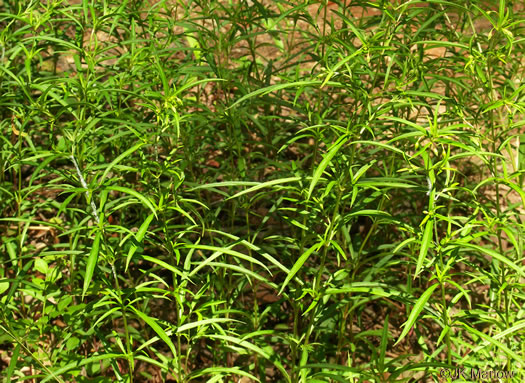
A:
(272, 191)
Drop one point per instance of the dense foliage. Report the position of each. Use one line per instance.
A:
(269, 191)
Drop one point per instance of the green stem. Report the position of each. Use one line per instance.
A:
(317, 283)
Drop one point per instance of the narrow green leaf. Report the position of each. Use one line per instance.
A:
(217, 252)
(224, 184)
(265, 185)
(486, 15)
(419, 128)
(518, 190)
(273, 88)
(404, 244)
(521, 157)
(517, 328)
(4, 285)
(497, 256)
(167, 266)
(348, 22)
(152, 322)
(380, 144)
(333, 70)
(324, 163)
(221, 370)
(79, 363)
(191, 84)
(12, 363)
(368, 288)
(385, 182)
(441, 43)
(416, 93)
(239, 269)
(162, 366)
(135, 194)
(425, 366)
(54, 40)
(425, 245)
(383, 345)
(418, 307)
(249, 245)
(362, 171)
(512, 185)
(105, 315)
(444, 332)
(302, 259)
(117, 160)
(249, 346)
(91, 262)
(368, 213)
(494, 342)
(204, 322)
(138, 238)
(194, 45)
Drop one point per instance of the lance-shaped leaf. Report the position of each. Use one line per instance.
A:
(152, 322)
(138, 238)
(300, 262)
(91, 262)
(418, 307)
(425, 245)
(324, 163)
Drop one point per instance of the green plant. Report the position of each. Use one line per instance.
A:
(261, 191)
